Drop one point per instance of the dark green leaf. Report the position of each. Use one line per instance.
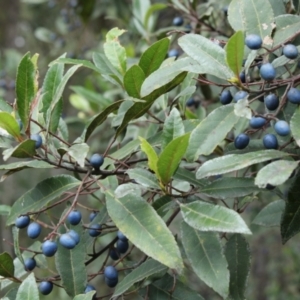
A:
(237, 253)
(162, 205)
(153, 57)
(144, 228)
(25, 149)
(88, 296)
(295, 125)
(209, 217)
(133, 80)
(205, 254)
(25, 88)
(28, 290)
(144, 177)
(9, 123)
(186, 175)
(230, 187)
(233, 162)
(271, 214)
(6, 265)
(43, 193)
(171, 156)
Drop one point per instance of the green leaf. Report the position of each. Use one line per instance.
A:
(88, 296)
(144, 228)
(128, 188)
(99, 119)
(235, 52)
(234, 162)
(171, 156)
(146, 269)
(295, 125)
(153, 8)
(144, 178)
(133, 80)
(205, 254)
(72, 61)
(151, 154)
(9, 123)
(51, 82)
(25, 88)
(278, 7)
(4, 210)
(70, 264)
(252, 17)
(79, 152)
(230, 187)
(237, 253)
(271, 214)
(173, 127)
(6, 265)
(209, 56)
(113, 50)
(185, 175)
(54, 112)
(162, 205)
(209, 217)
(25, 149)
(275, 173)
(153, 57)
(290, 221)
(164, 289)
(42, 194)
(28, 290)
(11, 294)
(15, 233)
(211, 131)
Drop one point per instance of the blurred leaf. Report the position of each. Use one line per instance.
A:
(290, 221)
(4, 210)
(153, 57)
(211, 131)
(11, 294)
(234, 162)
(25, 149)
(133, 80)
(4, 106)
(9, 123)
(173, 127)
(86, 9)
(70, 264)
(79, 153)
(146, 269)
(295, 125)
(99, 119)
(235, 52)
(271, 214)
(151, 154)
(6, 265)
(237, 253)
(275, 173)
(25, 88)
(253, 17)
(34, 1)
(88, 296)
(153, 8)
(209, 56)
(44, 34)
(209, 217)
(143, 177)
(42, 194)
(113, 50)
(171, 156)
(205, 254)
(144, 228)
(230, 187)
(72, 61)
(28, 289)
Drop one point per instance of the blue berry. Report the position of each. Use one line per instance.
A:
(270, 186)
(240, 95)
(38, 140)
(272, 101)
(93, 215)
(122, 237)
(257, 122)
(173, 53)
(270, 141)
(178, 21)
(122, 246)
(67, 241)
(22, 221)
(187, 28)
(282, 128)
(111, 272)
(242, 77)
(253, 41)
(267, 72)
(111, 282)
(30, 264)
(293, 95)
(74, 217)
(49, 248)
(33, 230)
(114, 254)
(290, 51)
(96, 160)
(225, 97)
(89, 288)
(46, 287)
(95, 230)
(241, 141)
(190, 102)
(74, 235)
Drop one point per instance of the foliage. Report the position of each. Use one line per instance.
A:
(172, 181)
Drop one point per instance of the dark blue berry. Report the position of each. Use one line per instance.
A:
(95, 230)
(190, 102)
(267, 72)
(67, 241)
(96, 160)
(225, 97)
(257, 122)
(111, 272)
(33, 230)
(30, 264)
(271, 101)
(121, 236)
(114, 254)
(46, 287)
(49, 248)
(122, 246)
(290, 51)
(38, 140)
(111, 282)
(282, 128)
(178, 21)
(241, 141)
(93, 215)
(22, 221)
(293, 95)
(242, 77)
(74, 217)
(253, 41)
(270, 141)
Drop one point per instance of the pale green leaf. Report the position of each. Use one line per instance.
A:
(295, 125)
(28, 290)
(79, 153)
(151, 154)
(143, 177)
